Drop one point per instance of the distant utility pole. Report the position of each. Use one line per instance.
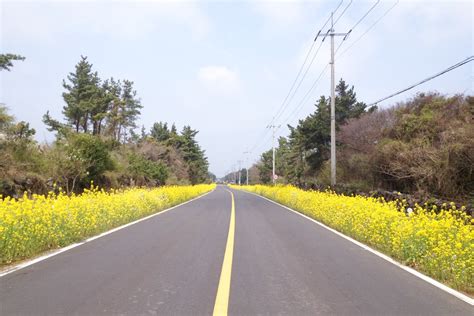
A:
(240, 169)
(234, 176)
(273, 127)
(246, 163)
(332, 33)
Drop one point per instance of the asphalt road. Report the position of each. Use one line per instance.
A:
(283, 264)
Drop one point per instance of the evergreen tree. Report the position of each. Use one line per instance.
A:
(160, 131)
(314, 131)
(81, 96)
(124, 109)
(6, 61)
(193, 155)
(347, 106)
(265, 167)
(308, 145)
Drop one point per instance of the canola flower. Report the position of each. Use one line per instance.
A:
(438, 243)
(32, 225)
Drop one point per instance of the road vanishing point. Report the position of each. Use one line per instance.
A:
(228, 252)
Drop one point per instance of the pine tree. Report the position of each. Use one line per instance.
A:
(6, 61)
(193, 155)
(160, 132)
(81, 95)
(124, 110)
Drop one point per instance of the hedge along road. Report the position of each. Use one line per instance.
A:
(189, 262)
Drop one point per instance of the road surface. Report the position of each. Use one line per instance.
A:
(173, 264)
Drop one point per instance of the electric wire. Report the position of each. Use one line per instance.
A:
(281, 110)
(342, 13)
(366, 31)
(457, 65)
(288, 98)
(305, 97)
(365, 15)
(355, 25)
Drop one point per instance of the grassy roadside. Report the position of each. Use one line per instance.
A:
(29, 226)
(440, 245)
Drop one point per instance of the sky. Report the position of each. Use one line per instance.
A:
(225, 67)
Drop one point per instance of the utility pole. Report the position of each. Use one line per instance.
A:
(273, 127)
(234, 180)
(332, 33)
(240, 170)
(246, 163)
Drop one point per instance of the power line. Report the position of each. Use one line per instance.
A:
(281, 110)
(364, 16)
(289, 98)
(296, 79)
(304, 99)
(370, 28)
(355, 25)
(301, 81)
(262, 141)
(347, 6)
(299, 106)
(459, 64)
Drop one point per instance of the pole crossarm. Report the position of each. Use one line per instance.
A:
(332, 34)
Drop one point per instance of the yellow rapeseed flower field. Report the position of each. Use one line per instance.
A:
(31, 225)
(440, 244)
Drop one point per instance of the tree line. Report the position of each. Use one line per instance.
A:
(96, 141)
(424, 145)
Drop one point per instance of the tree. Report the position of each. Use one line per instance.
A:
(295, 158)
(92, 152)
(314, 131)
(81, 96)
(124, 109)
(21, 131)
(141, 167)
(6, 60)
(347, 106)
(265, 167)
(108, 108)
(193, 155)
(160, 132)
(5, 119)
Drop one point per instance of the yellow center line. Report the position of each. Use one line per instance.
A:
(223, 291)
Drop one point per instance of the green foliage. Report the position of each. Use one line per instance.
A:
(160, 132)
(140, 167)
(424, 145)
(301, 157)
(108, 108)
(5, 119)
(265, 167)
(6, 60)
(193, 155)
(97, 142)
(93, 152)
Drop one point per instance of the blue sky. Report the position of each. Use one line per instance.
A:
(224, 67)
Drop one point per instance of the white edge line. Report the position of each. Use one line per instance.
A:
(414, 272)
(72, 246)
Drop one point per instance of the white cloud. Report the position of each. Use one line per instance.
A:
(219, 79)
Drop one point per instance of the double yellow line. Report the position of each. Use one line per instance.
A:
(223, 291)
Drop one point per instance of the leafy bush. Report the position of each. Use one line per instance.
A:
(141, 168)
